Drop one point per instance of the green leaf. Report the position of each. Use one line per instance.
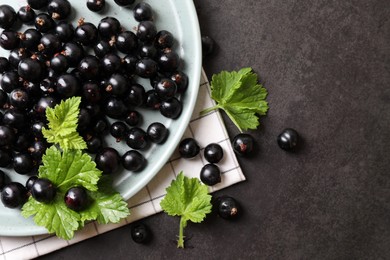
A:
(241, 96)
(69, 168)
(55, 217)
(63, 119)
(187, 198)
(108, 205)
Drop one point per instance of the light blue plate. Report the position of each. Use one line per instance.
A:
(176, 16)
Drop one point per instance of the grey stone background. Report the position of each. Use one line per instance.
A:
(326, 65)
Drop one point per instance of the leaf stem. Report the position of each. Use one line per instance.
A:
(207, 110)
(180, 241)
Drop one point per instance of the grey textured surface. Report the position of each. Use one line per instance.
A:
(326, 65)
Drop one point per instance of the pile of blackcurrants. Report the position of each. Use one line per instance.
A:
(53, 60)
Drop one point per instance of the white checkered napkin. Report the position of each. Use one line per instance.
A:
(205, 129)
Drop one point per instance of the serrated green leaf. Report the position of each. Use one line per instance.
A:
(69, 168)
(187, 198)
(63, 118)
(55, 217)
(241, 96)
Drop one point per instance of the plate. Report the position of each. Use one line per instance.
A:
(176, 16)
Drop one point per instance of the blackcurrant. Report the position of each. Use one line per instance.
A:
(26, 14)
(164, 39)
(9, 39)
(210, 174)
(108, 160)
(118, 130)
(43, 190)
(171, 108)
(133, 161)
(165, 88)
(23, 163)
(227, 207)
(77, 199)
(126, 42)
(7, 16)
(213, 153)
(288, 139)
(109, 27)
(142, 12)
(243, 144)
(146, 31)
(13, 195)
(188, 148)
(140, 233)
(157, 132)
(86, 33)
(133, 118)
(96, 5)
(44, 23)
(37, 4)
(124, 2)
(59, 9)
(136, 138)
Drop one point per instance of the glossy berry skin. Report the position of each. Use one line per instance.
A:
(146, 31)
(23, 163)
(118, 130)
(19, 99)
(227, 207)
(5, 158)
(37, 4)
(30, 181)
(76, 198)
(164, 39)
(3, 179)
(133, 118)
(146, 68)
(44, 23)
(142, 12)
(14, 195)
(136, 95)
(171, 108)
(169, 61)
(65, 31)
(7, 16)
(109, 27)
(126, 42)
(89, 67)
(59, 9)
(74, 52)
(59, 63)
(107, 160)
(67, 85)
(124, 2)
(188, 148)
(7, 136)
(86, 33)
(50, 44)
(157, 132)
(140, 233)
(26, 14)
(213, 153)
(165, 88)
(30, 39)
(9, 81)
(96, 5)
(181, 80)
(243, 144)
(9, 39)
(133, 161)
(43, 190)
(288, 139)
(136, 138)
(115, 108)
(210, 174)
